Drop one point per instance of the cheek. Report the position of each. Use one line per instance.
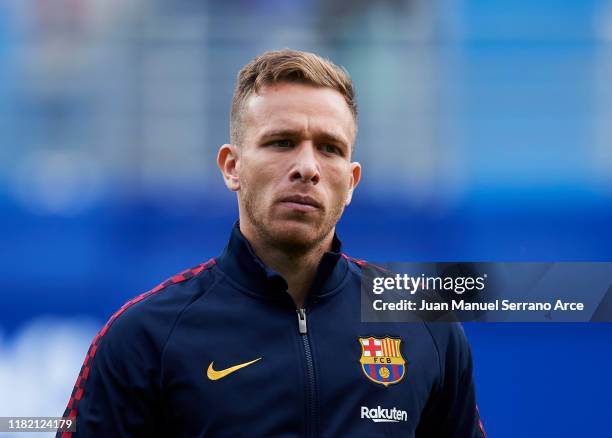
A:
(259, 177)
(340, 182)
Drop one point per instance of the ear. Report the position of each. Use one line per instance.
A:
(355, 178)
(227, 160)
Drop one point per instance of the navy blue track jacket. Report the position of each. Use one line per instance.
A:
(220, 350)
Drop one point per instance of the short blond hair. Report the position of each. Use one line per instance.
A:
(287, 66)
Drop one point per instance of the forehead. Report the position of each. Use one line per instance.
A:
(316, 110)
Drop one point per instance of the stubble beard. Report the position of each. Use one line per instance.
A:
(288, 241)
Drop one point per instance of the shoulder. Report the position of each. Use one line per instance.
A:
(446, 335)
(147, 318)
(126, 350)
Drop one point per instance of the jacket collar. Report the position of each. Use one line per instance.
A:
(243, 266)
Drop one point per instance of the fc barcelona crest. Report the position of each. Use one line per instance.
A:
(381, 360)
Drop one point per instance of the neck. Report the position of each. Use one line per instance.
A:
(298, 268)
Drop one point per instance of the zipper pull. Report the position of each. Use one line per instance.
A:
(302, 320)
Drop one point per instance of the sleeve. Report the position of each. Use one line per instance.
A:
(116, 393)
(451, 410)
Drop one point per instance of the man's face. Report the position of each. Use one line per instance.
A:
(293, 172)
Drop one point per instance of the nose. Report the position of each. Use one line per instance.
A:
(306, 166)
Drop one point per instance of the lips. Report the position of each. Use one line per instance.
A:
(301, 201)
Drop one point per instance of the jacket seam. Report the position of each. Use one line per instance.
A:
(176, 321)
(433, 339)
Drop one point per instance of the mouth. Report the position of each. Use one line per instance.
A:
(301, 203)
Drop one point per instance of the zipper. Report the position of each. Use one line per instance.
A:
(310, 396)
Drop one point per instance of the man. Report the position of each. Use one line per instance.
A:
(266, 340)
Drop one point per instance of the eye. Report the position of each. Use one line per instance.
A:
(283, 144)
(331, 149)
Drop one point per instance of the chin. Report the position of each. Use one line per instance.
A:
(295, 235)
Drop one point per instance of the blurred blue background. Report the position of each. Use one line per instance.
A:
(485, 134)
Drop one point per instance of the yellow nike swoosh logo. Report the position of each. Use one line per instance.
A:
(216, 375)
